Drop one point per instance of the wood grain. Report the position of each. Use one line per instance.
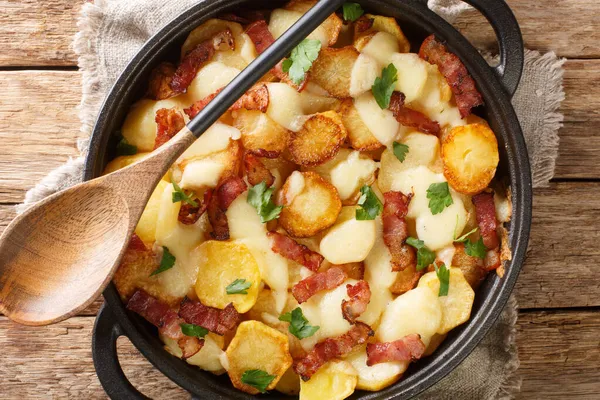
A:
(559, 359)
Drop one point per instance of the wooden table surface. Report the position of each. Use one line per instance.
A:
(558, 290)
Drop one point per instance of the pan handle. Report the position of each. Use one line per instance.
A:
(510, 41)
(104, 352)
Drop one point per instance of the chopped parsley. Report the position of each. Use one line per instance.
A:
(370, 205)
(439, 197)
(352, 11)
(301, 60)
(258, 379)
(384, 86)
(425, 257)
(259, 197)
(167, 262)
(180, 195)
(125, 149)
(443, 275)
(239, 286)
(474, 249)
(400, 151)
(299, 326)
(193, 330)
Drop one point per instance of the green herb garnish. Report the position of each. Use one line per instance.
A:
(476, 249)
(125, 149)
(259, 197)
(425, 257)
(299, 326)
(180, 195)
(167, 262)
(301, 60)
(384, 86)
(352, 11)
(443, 275)
(193, 330)
(370, 205)
(239, 286)
(400, 151)
(439, 197)
(258, 379)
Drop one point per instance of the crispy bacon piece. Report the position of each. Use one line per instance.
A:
(363, 24)
(256, 98)
(395, 230)
(189, 215)
(462, 84)
(485, 211)
(331, 348)
(320, 281)
(264, 153)
(195, 59)
(292, 250)
(169, 122)
(360, 296)
(260, 35)
(198, 106)
(409, 348)
(166, 320)
(355, 270)
(218, 321)
(412, 118)
(160, 82)
(222, 198)
(406, 279)
(256, 171)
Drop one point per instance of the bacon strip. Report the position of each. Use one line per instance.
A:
(292, 250)
(410, 117)
(485, 211)
(166, 320)
(363, 24)
(264, 153)
(256, 98)
(260, 35)
(395, 230)
(189, 215)
(195, 58)
(256, 171)
(160, 82)
(331, 348)
(218, 321)
(224, 195)
(318, 282)
(360, 296)
(462, 84)
(169, 122)
(198, 106)
(409, 348)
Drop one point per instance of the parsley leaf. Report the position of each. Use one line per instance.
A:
(476, 249)
(193, 330)
(425, 257)
(167, 262)
(259, 197)
(439, 197)
(179, 195)
(400, 151)
(298, 324)
(443, 275)
(464, 237)
(239, 286)
(370, 204)
(301, 59)
(125, 149)
(258, 379)
(352, 11)
(384, 86)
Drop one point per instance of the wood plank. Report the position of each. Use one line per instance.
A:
(565, 27)
(558, 351)
(36, 33)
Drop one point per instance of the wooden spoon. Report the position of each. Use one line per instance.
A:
(58, 256)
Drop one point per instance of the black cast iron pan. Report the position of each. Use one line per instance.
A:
(497, 86)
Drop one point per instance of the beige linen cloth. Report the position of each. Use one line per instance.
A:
(112, 31)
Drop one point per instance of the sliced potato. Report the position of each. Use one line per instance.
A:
(319, 140)
(241, 56)
(310, 206)
(282, 19)
(376, 377)
(335, 380)
(146, 227)
(456, 306)
(207, 359)
(122, 162)
(385, 24)
(289, 383)
(257, 346)
(207, 30)
(380, 46)
(259, 131)
(359, 135)
(333, 70)
(213, 76)
(364, 73)
(412, 74)
(222, 263)
(349, 240)
(436, 341)
(332, 25)
(470, 155)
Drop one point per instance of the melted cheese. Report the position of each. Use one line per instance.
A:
(285, 106)
(350, 174)
(239, 58)
(348, 240)
(381, 46)
(202, 173)
(363, 75)
(281, 20)
(212, 77)
(245, 226)
(208, 358)
(381, 123)
(213, 140)
(412, 74)
(296, 185)
(377, 376)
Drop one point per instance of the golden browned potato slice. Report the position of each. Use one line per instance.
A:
(311, 204)
(332, 25)
(470, 155)
(359, 135)
(221, 264)
(265, 304)
(335, 380)
(146, 227)
(207, 359)
(456, 306)
(122, 162)
(259, 131)
(319, 139)
(436, 341)
(333, 70)
(207, 30)
(376, 377)
(384, 24)
(289, 383)
(257, 346)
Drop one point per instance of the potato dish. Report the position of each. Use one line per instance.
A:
(334, 225)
